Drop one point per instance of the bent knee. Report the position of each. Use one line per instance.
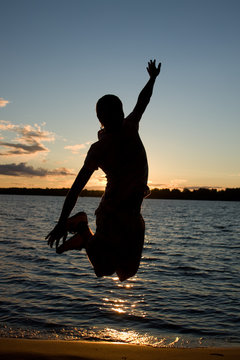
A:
(126, 272)
(104, 271)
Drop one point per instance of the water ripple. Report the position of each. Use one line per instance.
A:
(185, 293)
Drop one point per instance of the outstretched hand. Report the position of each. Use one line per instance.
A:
(55, 235)
(153, 71)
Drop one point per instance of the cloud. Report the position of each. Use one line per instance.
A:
(6, 125)
(21, 149)
(75, 149)
(100, 178)
(22, 169)
(28, 139)
(3, 102)
(175, 183)
(28, 133)
(156, 185)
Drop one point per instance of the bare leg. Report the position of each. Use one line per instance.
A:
(131, 259)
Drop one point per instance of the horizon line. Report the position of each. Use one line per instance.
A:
(218, 188)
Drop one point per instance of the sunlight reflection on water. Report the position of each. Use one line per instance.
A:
(190, 261)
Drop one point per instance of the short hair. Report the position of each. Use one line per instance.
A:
(109, 110)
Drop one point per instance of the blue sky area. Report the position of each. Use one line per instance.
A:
(59, 56)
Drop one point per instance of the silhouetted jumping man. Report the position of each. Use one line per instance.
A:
(116, 246)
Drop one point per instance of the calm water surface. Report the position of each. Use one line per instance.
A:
(186, 293)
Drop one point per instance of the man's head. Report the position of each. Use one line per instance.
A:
(110, 112)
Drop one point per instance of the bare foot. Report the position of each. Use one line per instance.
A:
(76, 222)
(76, 242)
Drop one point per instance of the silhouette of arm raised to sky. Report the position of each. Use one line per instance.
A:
(146, 93)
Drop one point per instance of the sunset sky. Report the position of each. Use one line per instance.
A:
(57, 57)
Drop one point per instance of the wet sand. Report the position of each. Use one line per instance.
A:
(25, 349)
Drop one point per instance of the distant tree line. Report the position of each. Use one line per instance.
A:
(229, 194)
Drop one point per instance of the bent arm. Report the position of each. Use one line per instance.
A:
(146, 93)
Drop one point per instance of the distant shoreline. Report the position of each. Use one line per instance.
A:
(228, 194)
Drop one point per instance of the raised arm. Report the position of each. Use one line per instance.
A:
(60, 229)
(146, 93)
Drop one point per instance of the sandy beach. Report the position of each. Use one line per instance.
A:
(21, 349)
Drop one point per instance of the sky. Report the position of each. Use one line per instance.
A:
(58, 57)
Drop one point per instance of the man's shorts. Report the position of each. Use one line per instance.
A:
(117, 244)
